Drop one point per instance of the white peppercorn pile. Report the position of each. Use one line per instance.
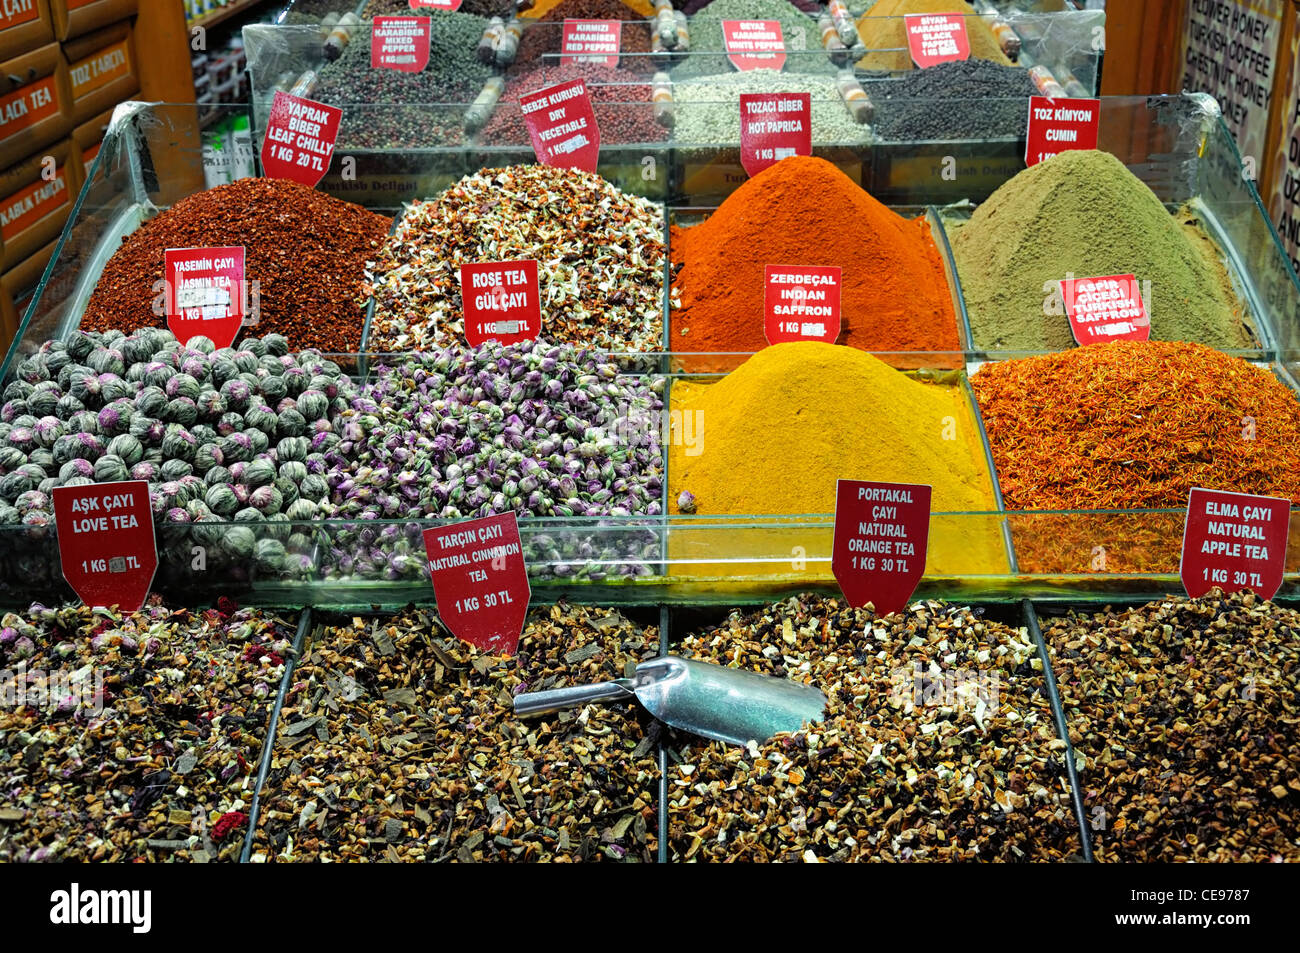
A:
(707, 109)
(150, 749)
(399, 743)
(938, 744)
(1185, 720)
(599, 251)
(960, 99)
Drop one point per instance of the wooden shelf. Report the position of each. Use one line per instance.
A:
(221, 14)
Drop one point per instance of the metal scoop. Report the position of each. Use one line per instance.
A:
(725, 704)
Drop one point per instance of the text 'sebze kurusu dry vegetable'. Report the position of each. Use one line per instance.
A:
(600, 255)
(306, 250)
(1185, 724)
(805, 211)
(937, 744)
(399, 743)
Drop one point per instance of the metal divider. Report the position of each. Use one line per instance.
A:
(662, 754)
(268, 746)
(1062, 728)
(367, 326)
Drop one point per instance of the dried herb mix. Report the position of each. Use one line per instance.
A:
(600, 255)
(306, 250)
(1042, 226)
(1134, 425)
(938, 744)
(153, 754)
(894, 294)
(399, 743)
(1182, 714)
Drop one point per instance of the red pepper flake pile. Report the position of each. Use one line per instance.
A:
(1136, 425)
(306, 250)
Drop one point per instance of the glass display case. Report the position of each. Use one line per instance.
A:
(153, 156)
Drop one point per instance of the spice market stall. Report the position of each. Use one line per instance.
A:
(671, 466)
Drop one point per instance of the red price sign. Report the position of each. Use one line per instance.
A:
(299, 139)
(934, 39)
(106, 543)
(774, 126)
(1234, 541)
(1105, 309)
(400, 43)
(1059, 125)
(501, 301)
(562, 126)
(801, 303)
(205, 292)
(591, 41)
(754, 44)
(480, 582)
(881, 534)
(451, 5)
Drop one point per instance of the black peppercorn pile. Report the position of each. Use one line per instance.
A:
(1185, 717)
(372, 97)
(623, 109)
(938, 744)
(154, 762)
(961, 99)
(399, 743)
